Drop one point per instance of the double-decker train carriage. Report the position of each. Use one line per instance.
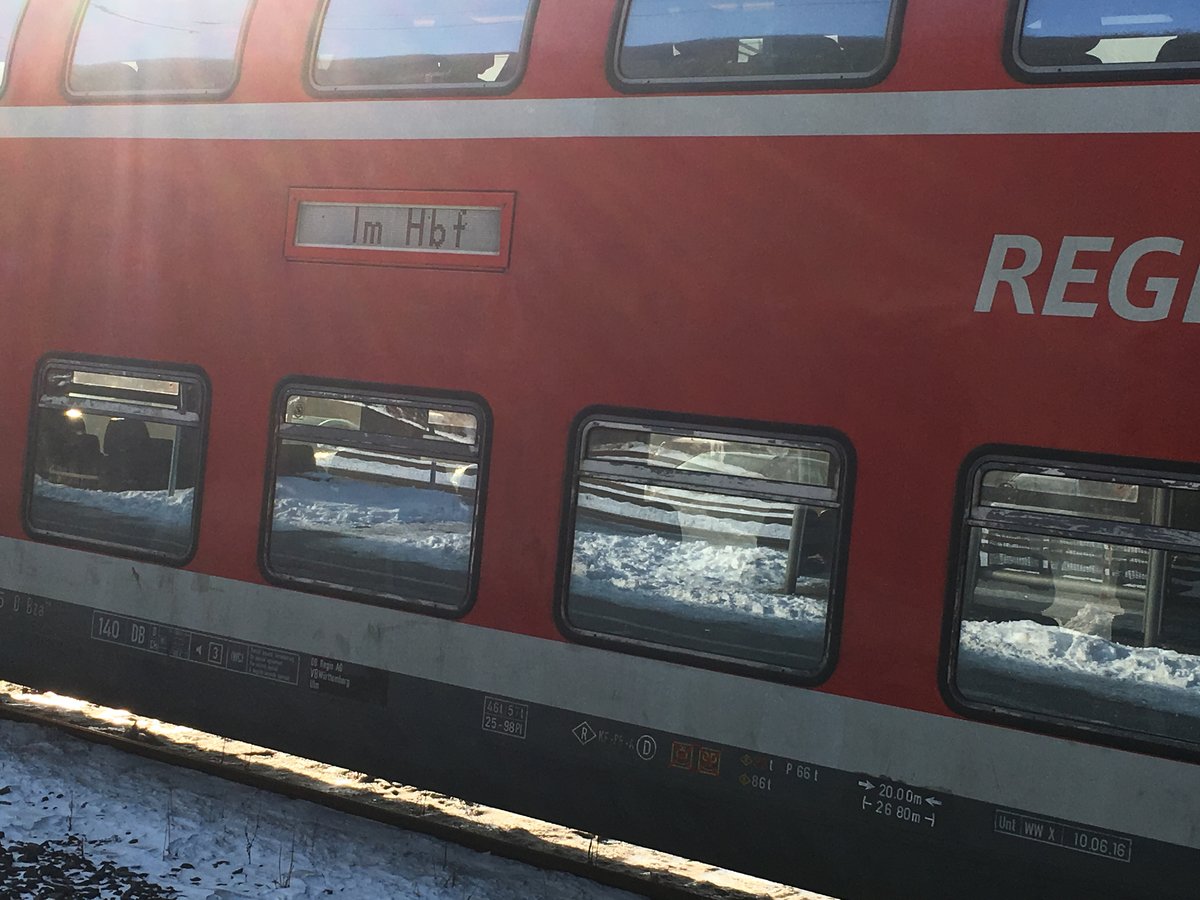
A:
(758, 430)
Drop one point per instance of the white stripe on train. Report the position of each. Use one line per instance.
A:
(1095, 786)
(1124, 109)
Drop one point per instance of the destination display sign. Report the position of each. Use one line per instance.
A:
(410, 229)
(437, 229)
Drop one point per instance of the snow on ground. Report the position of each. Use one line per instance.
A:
(210, 839)
(1063, 657)
(183, 825)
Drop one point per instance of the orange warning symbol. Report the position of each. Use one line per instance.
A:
(682, 755)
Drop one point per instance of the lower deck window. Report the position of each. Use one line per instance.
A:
(1080, 597)
(116, 455)
(713, 543)
(376, 495)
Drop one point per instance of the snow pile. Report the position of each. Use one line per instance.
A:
(343, 504)
(713, 581)
(168, 511)
(1092, 618)
(394, 522)
(1057, 656)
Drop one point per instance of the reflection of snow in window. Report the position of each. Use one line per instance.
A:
(722, 572)
(1129, 50)
(1072, 675)
(157, 510)
(500, 60)
(376, 496)
(152, 521)
(1060, 34)
(401, 523)
(116, 458)
(694, 539)
(1081, 596)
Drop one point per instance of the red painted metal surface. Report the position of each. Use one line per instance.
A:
(817, 280)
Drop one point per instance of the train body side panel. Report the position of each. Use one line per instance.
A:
(815, 259)
(823, 281)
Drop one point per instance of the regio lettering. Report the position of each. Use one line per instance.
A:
(1014, 258)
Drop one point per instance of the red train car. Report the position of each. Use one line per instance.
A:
(756, 430)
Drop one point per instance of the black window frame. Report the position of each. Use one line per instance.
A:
(1102, 467)
(359, 391)
(182, 372)
(200, 95)
(1105, 72)
(751, 83)
(484, 88)
(12, 43)
(817, 437)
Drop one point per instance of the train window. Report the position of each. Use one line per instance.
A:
(10, 15)
(385, 46)
(115, 457)
(1079, 596)
(377, 494)
(1079, 40)
(715, 543)
(661, 44)
(132, 48)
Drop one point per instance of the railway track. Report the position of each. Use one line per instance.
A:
(544, 845)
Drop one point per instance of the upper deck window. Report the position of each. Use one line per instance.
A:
(751, 43)
(10, 14)
(1079, 40)
(384, 46)
(130, 48)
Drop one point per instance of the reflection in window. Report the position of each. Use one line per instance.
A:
(377, 45)
(723, 544)
(10, 12)
(1065, 34)
(129, 47)
(1081, 597)
(376, 495)
(117, 458)
(749, 39)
